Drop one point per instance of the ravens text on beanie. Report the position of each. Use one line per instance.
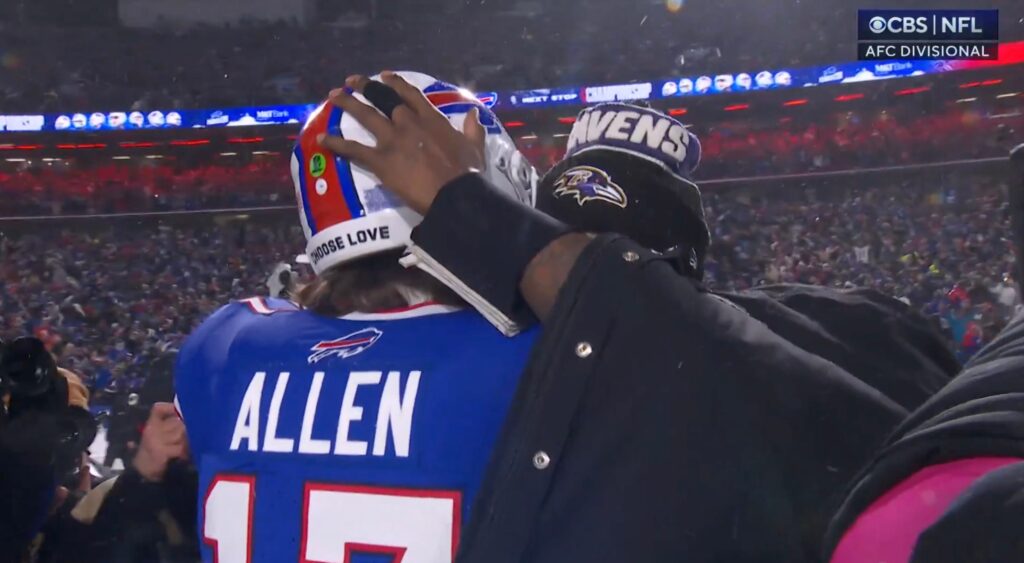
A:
(627, 170)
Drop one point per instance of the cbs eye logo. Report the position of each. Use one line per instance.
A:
(900, 25)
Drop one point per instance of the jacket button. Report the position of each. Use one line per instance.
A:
(583, 349)
(541, 460)
(630, 256)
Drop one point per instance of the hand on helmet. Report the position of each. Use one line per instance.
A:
(418, 151)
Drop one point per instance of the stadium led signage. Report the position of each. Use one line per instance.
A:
(665, 89)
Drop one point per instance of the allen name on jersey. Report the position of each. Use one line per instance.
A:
(258, 430)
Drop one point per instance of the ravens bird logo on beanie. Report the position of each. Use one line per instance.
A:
(627, 170)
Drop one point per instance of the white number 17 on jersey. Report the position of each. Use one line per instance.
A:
(339, 521)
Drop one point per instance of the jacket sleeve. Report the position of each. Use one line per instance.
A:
(486, 239)
(878, 339)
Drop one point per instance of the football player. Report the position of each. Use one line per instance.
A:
(639, 184)
(355, 423)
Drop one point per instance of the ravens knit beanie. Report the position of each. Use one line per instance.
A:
(627, 170)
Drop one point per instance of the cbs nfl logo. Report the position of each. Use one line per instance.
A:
(928, 35)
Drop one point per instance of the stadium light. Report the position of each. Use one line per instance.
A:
(912, 91)
(849, 97)
(560, 135)
(678, 111)
(990, 82)
(137, 145)
(15, 159)
(737, 107)
(9, 147)
(245, 140)
(567, 120)
(966, 100)
(191, 143)
(528, 137)
(792, 103)
(513, 124)
(68, 146)
(1008, 95)
(120, 158)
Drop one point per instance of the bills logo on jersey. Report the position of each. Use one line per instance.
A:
(586, 183)
(346, 346)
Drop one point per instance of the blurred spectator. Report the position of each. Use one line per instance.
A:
(124, 428)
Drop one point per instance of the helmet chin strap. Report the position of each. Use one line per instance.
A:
(418, 258)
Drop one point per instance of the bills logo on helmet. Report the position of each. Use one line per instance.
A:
(346, 346)
(488, 99)
(586, 183)
(451, 100)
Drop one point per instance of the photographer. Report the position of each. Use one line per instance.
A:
(45, 428)
(49, 511)
(146, 514)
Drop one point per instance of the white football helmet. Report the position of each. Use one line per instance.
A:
(345, 211)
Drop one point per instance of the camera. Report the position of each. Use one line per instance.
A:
(31, 382)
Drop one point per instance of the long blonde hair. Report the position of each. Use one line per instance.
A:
(372, 284)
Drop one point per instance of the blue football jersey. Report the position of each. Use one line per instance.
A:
(355, 440)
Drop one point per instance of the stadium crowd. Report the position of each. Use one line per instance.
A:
(938, 244)
(730, 149)
(109, 301)
(67, 190)
(111, 298)
(839, 141)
